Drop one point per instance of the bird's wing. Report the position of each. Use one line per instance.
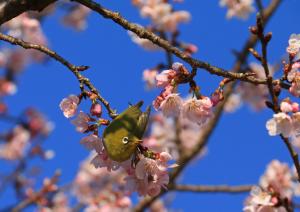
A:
(142, 123)
(127, 119)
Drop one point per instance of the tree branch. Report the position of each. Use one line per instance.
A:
(44, 190)
(75, 69)
(146, 34)
(212, 189)
(10, 9)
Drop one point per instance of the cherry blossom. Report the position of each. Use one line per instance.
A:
(278, 176)
(171, 105)
(259, 201)
(99, 189)
(150, 175)
(197, 110)
(233, 103)
(255, 95)
(294, 44)
(69, 105)
(149, 76)
(162, 15)
(77, 17)
(81, 122)
(164, 78)
(16, 145)
(145, 43)
(281, 123)
(238, 8)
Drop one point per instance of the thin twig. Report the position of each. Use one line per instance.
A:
(75, 69)
(275, 104)
(30, 200)
(146, 34)
(212, 189)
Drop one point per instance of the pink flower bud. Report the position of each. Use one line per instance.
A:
(96, 110)
(295, 107)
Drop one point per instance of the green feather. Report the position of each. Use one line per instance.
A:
(131, 124)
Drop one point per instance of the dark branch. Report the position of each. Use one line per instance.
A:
(10, 9)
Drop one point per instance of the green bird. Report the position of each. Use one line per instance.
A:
(123, 135)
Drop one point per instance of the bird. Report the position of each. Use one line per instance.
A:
(124, 134)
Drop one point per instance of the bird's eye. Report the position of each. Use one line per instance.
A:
(125, 140)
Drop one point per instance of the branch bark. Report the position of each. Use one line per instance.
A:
(10, 9)
(146, 34)
(212, 189)
(74, 69)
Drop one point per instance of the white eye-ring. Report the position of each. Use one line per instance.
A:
(125, 140)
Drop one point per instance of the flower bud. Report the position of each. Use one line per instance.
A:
(253, 30)
(268, 36)
(96, 110)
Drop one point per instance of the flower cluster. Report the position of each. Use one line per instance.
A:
(294, 45)
(171, 104)
(164, 22)
(253, 95)
(153, 165)
(161, 14)
(28, 128)
(276, 190)
(100, 189)
(163, 135)
(238, 8)
(285, 122)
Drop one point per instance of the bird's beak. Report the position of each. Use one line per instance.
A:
(138, 141)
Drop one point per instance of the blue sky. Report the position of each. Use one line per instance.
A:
(240, 148)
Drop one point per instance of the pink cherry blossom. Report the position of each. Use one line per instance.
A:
(238, 8)
(37, 123)
(98, 187)
(295, 88)
(77, 17)
(81, 122)
(281, 123)
(150, 175)
(255, 95)
(197, 110)
(164, 78)
(144, 43)
(16, 145)
(7, 87)
(149, 76)
(171, 105)
(92, 142)
(278, 177)
(102, 160)
(287, 106)
(259, 200)
(294, 44)
(233, 103)
(159, 99)
(69, 105)
(162, 15)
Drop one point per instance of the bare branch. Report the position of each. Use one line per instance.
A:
(212, 189)
(10, 9)
(75, 69)
(44, 190)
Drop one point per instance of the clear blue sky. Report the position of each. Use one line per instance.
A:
(240, 148)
